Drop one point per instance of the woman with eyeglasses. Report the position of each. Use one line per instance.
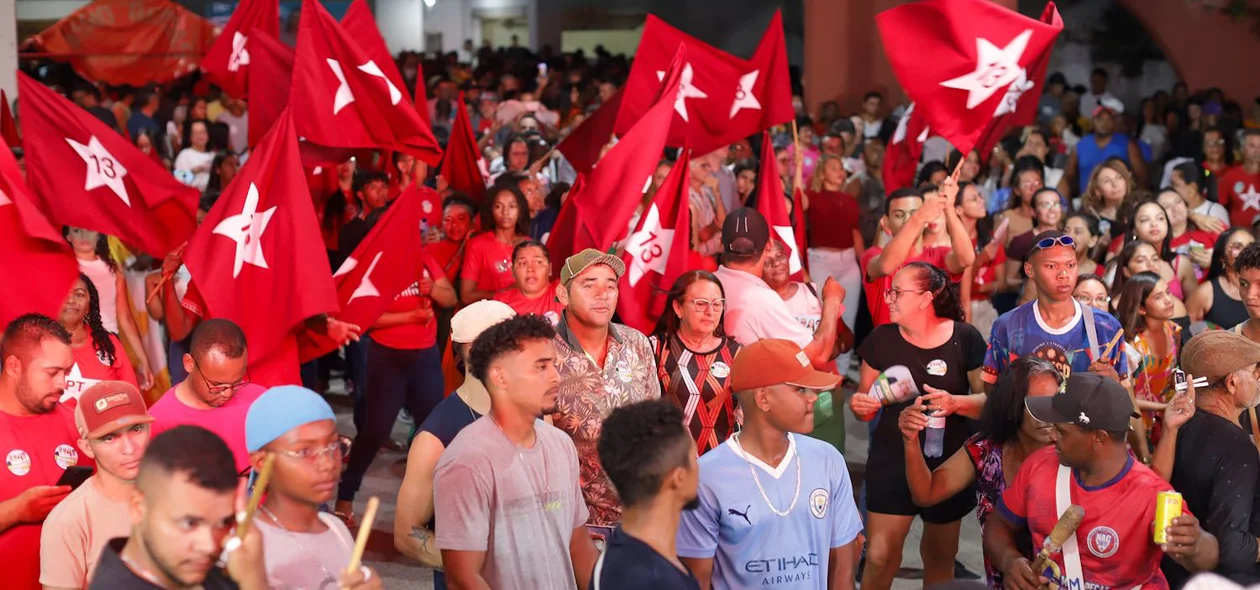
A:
(1092, 291)
(1218, 301)
(1149, 223)
(534, 291)
(1048, 215)
(694, 356)
(98, 354)
(928, 342)
(1153, 344)
(990, 458)
(95, 262)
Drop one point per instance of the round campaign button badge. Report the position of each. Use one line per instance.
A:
(65, 456)
(623, 371)
(427, 206)
(720, 369)
(937, 368)
(18, 462)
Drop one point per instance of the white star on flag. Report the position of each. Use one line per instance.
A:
(1010, 102)
(102, 168)
(789, 237)
(370, 68)
(685, 91)
(649, 247)
(1251, 198)
(240, 55)
(4, 199)
(900, 134)
(344, 96)
(744, 96)
(365, 288)
(246, 229)
(995, 69)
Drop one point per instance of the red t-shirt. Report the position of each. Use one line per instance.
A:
(545, 306)
(444, 252)
(412, 336)
(1116, 540)
(1239, 192)
(831, 218)
(90, 368)
(37, 450)
(488, 262)
(987, 275)
(875, 289)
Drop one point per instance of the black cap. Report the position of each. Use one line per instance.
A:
(1088, 400)
(745, 231)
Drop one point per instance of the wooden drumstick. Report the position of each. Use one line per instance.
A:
(260, 487)
(365, 530)
(1059, 535)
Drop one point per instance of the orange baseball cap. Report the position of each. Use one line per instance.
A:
(771, 362)
(109, 406)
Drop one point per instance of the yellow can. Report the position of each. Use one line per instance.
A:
(1167, 507)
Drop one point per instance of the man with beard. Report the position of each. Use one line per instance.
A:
(114, 427)
(650, 457)
(182, 515)
(1215, 464)
(759, 535)
(37, 436)
(218, 391)
(1090, 466)
(602, 366)
(509, 508)
(304, 548)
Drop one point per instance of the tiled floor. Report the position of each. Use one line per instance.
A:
(399, 573)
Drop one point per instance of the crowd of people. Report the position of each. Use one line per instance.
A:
(1070, 319)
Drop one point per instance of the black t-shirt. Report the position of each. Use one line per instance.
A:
(629, 564)
(944, 367)
(1217, 472)
(448, 418)
(113, 574)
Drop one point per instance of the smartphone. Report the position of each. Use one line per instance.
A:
(74, 476)
(542, 69)
(1179, 381)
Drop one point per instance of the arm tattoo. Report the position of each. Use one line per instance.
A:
(422, 535)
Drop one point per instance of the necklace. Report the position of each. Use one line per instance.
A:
(795, 495)
(327, 575)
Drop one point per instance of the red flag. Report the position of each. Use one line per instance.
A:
(360, 25)
(657, 252)
(462, 165)
(582, 146)
(348, 101)
(271, 63)
(422, 99)
(789, 231)
(229, 60)
(600, 205)
(901, 158)
(724, 98)
(8, 127)
(29, 243)
(378, 270)
(988, 63)
(84, 174)
(252, 257)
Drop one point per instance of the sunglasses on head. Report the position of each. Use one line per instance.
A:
(1046, 243)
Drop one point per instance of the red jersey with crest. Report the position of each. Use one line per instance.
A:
(1116, 537)
(1240, 193)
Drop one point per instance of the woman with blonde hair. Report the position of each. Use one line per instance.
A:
(1110, 190)
(835, 239)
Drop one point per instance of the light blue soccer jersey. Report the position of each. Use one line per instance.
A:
(752, 546)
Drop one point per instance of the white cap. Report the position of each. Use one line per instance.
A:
(471, 321)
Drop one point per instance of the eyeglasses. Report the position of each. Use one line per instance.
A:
(892, 295)
(335, 450)
(1052, 242)
(222, 388)
(1049, 206)
(703, 305)
(1100, 301)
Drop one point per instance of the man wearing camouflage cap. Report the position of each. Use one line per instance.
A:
(602, 366)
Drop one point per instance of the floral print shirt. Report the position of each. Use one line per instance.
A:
(986, 457)
(588, 394)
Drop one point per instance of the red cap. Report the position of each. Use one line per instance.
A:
(771, 362)
(109, 406)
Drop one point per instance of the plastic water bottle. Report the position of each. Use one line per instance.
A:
(934, 446)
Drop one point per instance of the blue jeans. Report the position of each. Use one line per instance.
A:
(394, 377)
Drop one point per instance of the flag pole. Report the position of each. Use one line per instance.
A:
(798, 159)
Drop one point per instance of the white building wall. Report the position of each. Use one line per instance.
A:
(402, 24)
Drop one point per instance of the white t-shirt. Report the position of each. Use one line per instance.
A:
(297, 561)
(189, 159)
(805, 306)
(238, 130)
(754, 311)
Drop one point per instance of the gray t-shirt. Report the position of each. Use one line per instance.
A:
(520, 506)
(301, 561)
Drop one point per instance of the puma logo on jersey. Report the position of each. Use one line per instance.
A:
(743, 515)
